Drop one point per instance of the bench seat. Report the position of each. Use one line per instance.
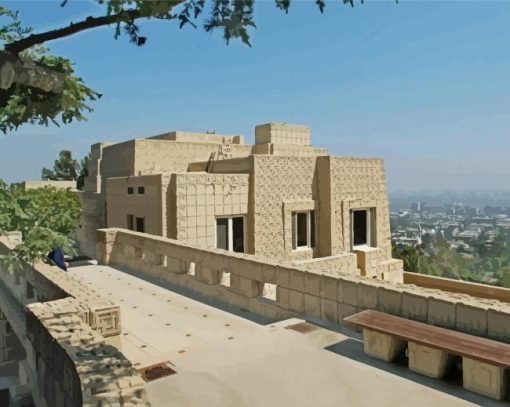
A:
(430, 348)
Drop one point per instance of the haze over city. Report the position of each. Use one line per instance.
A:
(423, 85)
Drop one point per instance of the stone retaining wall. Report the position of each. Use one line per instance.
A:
(330, 296)
(68, 362)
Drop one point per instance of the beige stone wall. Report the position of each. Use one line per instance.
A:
(117, 160)
(75, 367)
(49, 183)
(359, 183)
(343, 263)
(156, 156)
(148, 206)
(311, 292)
(277, 180)
(282, 133)
(92, 217)
(197, 199)
(64, 338)
(187, 136)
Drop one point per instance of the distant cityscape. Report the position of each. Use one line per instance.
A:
(468, 222)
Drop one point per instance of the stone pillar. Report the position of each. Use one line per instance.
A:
(207, 275)
(381, 346)
(105, 239)
(427, 361)
(245, 286)
(484, 378)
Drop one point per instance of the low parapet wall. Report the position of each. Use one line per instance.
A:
(75, 367)
(330, 296)
(458, 286)
(68, 361)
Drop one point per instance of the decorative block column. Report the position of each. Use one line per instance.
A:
(427, 361)
(381, 346)
(483, 378)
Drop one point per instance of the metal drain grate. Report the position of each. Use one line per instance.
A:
(155, 372)
(303, 327)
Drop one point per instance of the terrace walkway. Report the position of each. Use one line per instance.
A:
(224, 359)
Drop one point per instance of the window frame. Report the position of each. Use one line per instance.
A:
(130, 191)
(130, 221)
(140, 188)
(311, 235)
(230, 232)
(370, 227)
(136, 221)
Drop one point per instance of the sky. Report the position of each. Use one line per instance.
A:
(424, 85)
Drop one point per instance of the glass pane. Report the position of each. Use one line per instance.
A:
(359, 228)
(312, 229)
(302, 234)
(222, 233)
(238, 234)
(140, 225)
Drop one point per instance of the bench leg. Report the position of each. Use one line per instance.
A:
(484, 378)
(427, 361)
(381, 346)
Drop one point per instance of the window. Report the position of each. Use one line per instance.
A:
(140, 225)
(303, 230)
(362, 227)
(141, 190)
(130, 222)
(130, 190)
(230, 234)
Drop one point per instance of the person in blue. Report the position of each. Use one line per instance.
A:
(57, 257)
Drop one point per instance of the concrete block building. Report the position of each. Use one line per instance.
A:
(281, 198)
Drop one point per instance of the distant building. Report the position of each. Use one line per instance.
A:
(49, 183)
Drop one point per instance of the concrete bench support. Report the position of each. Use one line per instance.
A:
(483, 378)
(381, 346)
(427, 361)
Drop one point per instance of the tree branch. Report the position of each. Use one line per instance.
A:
(90, 22)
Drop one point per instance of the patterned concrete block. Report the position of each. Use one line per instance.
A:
(483, 378)
(427, 361)
(414, 305)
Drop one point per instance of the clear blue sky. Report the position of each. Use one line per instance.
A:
(423, 84)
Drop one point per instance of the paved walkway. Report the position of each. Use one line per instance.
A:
(224, 360)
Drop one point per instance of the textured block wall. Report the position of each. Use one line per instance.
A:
(200, 198)
(359, 183)
(276, 180)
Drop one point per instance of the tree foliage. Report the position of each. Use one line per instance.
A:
(35, 103)
(47, 218)
(65, 168)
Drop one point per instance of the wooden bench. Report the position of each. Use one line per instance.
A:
(430, 348)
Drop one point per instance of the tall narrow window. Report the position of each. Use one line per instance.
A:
(230, 234)
(238, 234)
(363, 227)
(303, 230)
(222, 236)
(130, 222)
(140, 225)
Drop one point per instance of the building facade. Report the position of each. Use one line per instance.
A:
(280, 198)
